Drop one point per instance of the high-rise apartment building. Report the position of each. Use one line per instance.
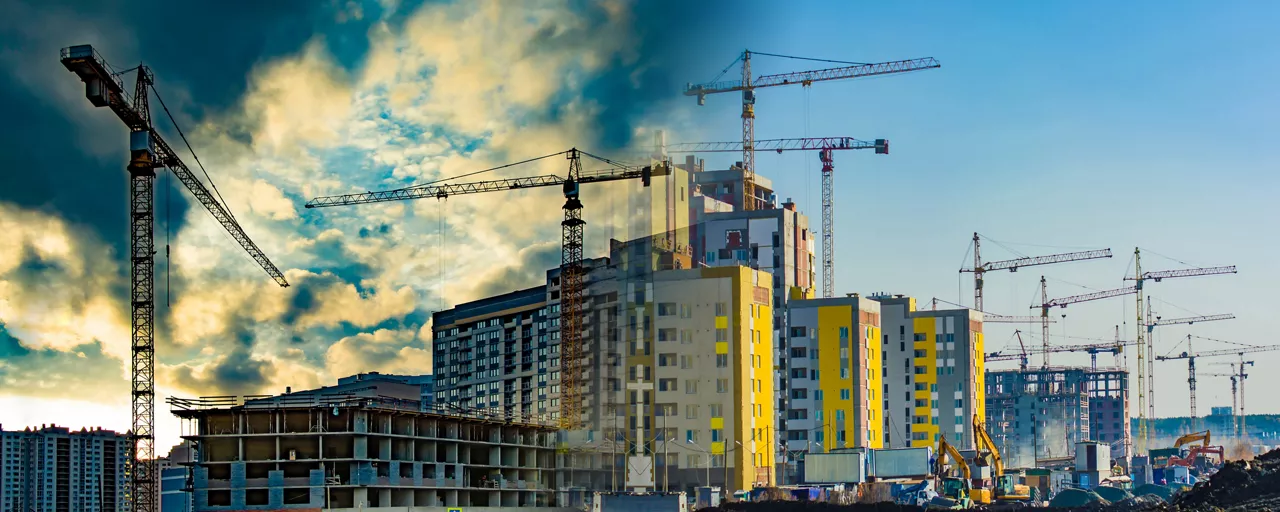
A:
(834, 375)
(933, 365)
(56, 470)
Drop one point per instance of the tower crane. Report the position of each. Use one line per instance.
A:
(825, 146)
(572, 273)
(1191, 356)
(748, 86)
(1235, 418)
(980, 268)
(148, 151)
(1146, 372)
(1154, 321)
(1045, 304)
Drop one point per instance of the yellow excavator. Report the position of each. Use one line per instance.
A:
(1006, 489)
(955, 490)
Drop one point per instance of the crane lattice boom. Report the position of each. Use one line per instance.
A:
(148, 151)
(780, 145)
(819, 75)
(1224, 352)
(1016, 263)
(1002, 319)
(1064, 301)
(1189, 320)
(1186, 272)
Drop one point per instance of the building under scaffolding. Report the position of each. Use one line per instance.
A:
(1041, 413)
(338, 451)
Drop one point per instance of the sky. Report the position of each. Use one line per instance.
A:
(1050, 127)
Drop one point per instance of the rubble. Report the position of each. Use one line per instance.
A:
(1239, 485)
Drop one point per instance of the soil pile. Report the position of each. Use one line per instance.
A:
(807, 506)
(1239, 485)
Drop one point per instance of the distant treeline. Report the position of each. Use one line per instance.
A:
(1263, 428)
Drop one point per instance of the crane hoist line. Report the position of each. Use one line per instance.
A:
(572, 273)
(148, 152)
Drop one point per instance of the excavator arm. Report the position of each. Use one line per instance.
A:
(1203, 437)
(957, 461)
(985, 443)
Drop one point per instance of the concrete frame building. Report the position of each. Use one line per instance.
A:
(311, 451)
(834, 376)
(54, 469)
(933, 366)
(1038, 413)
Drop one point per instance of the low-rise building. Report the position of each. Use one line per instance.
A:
(313, 451)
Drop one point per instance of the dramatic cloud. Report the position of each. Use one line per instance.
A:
(51, 373)
(319, 98)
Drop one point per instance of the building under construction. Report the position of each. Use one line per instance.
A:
(1041, 413)
(316, 451)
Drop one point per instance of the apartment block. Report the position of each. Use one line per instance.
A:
(1041, 413)
(54, 469)
(834, 376)
(933, 366)
(695, 394)
(312, 451)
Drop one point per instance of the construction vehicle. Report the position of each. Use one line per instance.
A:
(1005, 488)
(1196, 451)
(953, 492)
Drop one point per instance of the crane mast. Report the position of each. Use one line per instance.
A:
(825, 147)
(148, 151)
(1146, 373)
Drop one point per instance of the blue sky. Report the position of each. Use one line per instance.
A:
(1050, 126)
(1062, 124)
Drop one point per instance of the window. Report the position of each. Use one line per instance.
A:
(666, 384)
(721, 310)
(666, 359)
(722, 385)
(921, 353)
(717, 435)
(667, 334)
(798, 332)
(799, 394)
(717, 410)
(959, 404)
(817, 394)
(920, 370)
(844, 394)
(691, 436)
(799, 352)
(839, 414)
(920, 337)
(920, 402)
(691, 412)
(691, 387)
(844, 373)
(722, 335)
(722, 360)
(666, 309)
(686, 362)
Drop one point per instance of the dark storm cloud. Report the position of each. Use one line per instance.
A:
(668, 38)
(45, 372)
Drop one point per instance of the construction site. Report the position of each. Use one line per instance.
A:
(702, 361)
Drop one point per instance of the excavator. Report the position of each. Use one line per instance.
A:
(953, 492)
(1203, 449)
(1006, 490)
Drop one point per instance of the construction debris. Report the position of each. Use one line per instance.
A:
(1239, 485)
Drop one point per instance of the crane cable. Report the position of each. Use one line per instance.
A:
(491, 169)
(212, 185)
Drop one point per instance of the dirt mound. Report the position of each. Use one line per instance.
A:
(1112, 494)
(805, 506)
(1239, 485)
